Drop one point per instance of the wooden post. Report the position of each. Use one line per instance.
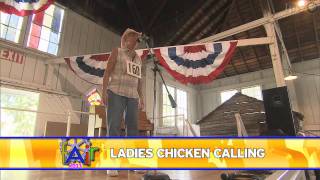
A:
(240, 126)
(68, 123)
(274, 48)
(275, 55)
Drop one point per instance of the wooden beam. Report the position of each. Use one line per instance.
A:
(274, 48)
(241, 43)
(280, 37)
(277, 65)
(254, 41)
(259, 22)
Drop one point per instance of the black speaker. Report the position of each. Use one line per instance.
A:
(278, 110)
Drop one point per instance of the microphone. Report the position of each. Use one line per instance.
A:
(143, 37)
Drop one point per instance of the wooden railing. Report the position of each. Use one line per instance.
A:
(68, 115)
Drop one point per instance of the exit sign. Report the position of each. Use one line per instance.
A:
(12, 55)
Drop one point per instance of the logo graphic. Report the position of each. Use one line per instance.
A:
(77, 151)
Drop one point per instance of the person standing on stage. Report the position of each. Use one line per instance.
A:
(122, 90)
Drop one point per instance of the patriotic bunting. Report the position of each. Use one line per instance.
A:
(91, 67)
(194, 64)
(24, 7)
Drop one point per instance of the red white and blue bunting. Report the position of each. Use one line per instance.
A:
(91, 67)
(194, 64)
(24, 7)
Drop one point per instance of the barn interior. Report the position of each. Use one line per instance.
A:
(278, 46)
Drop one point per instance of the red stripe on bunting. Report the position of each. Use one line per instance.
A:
(100, 57)
(144, 55)
(200, 79)
(11, 10)
(194, 49)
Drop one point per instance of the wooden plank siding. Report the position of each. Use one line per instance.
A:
(222, 122)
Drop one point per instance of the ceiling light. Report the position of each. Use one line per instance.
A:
(301, 3)
(290, 77)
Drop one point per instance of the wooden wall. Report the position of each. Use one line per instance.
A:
(221, 122)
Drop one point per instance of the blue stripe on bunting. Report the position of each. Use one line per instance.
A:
(88, 69)
(195, 64)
